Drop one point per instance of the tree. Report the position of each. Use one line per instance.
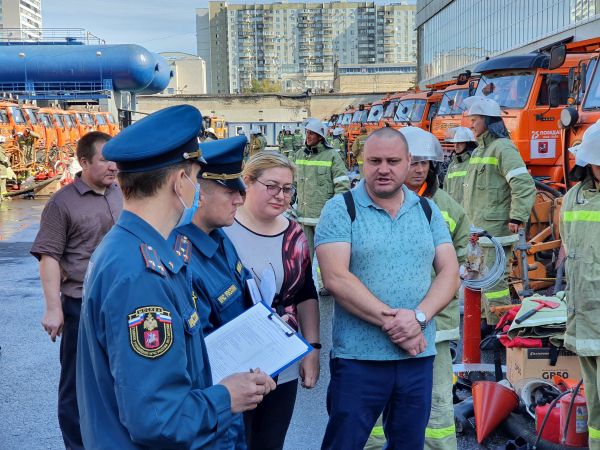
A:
(262, 86)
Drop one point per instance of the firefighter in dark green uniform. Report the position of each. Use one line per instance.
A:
(580, 232)
(499, 192)
(464, 143)
(321, 174)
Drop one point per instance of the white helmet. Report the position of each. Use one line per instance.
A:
(482, 106)
(588, 152)
(210, 130)
(460, 134)
(316, 126)
(422, 145)
(2, 139)
(526, 389)
(255, 130)
(338, 131)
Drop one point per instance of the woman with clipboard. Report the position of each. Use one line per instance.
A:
(283, 263)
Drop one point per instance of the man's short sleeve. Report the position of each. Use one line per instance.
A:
(439, 229)
(51, 239)
(334, 223)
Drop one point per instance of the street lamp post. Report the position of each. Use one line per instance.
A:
(99, 55)
(22, 56)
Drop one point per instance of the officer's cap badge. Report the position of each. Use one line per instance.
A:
(150, 331)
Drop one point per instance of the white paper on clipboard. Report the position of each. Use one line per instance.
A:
(258, 338)
(255, 294)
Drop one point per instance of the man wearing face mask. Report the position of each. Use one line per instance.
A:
(141, 349)
(218, 276)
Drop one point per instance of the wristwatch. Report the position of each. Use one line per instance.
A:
(421, 318)
(316, 345)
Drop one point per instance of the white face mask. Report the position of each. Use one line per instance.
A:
(188, 212)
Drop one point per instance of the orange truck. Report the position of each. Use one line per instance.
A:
(417, 109)
(359, 118)
(450, 111)
(584, 96)
(12, 120)
(63, 135)
(532, 91)
(79, 121)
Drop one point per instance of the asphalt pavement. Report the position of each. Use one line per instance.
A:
(29, 364)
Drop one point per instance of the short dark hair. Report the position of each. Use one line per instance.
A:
(138, 185)
(388, 133)
(86, 146)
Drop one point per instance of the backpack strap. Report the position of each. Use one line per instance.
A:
(350, 207)
(426, 208)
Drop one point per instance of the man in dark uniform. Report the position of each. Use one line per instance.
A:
(141, 348)
(218, 276)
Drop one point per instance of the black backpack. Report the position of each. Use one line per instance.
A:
(351, 208)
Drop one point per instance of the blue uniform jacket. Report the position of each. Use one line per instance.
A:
(144, 376)
(218, 276)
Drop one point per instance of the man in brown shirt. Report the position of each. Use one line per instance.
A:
(73, 223)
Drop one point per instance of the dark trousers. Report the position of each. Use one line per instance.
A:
(68, 413)
(267, 425)
(359, 391)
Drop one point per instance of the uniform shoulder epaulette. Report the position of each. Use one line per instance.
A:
(152, 259)
(183, 247)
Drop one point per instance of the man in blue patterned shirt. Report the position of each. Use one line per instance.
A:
(377, 265)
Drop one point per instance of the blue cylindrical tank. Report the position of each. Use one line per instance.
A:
(162, 76)
(131, 67)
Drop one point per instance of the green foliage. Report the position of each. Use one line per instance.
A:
(263, 86)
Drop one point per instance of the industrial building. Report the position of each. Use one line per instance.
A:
(455, 35)
(188, 74)
(23, 18)
(287, 42)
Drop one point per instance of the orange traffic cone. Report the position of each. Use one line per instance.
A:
(493, 403)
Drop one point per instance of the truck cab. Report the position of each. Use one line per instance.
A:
(584, 93)
(359, 118)
(12, 120)
(417, 109)
(451, 108)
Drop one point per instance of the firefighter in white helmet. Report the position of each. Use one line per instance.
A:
(464, 143)
(499, 191)
(321, 174)
(257, 141)
(580, 232)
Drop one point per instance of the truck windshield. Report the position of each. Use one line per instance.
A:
(451, 102)
(390, 110)
(17, 114)
(30, 113)
(375, 114)
(44, 119)
(410, 110)
(509, 89)
(347, 119)
(592, 101)
(360, 116)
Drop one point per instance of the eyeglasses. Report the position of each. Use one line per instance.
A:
(273, 189)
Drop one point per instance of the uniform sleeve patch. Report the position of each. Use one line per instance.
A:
(239, 267)
(150, 331)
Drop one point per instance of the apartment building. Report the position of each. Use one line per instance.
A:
(289, 43)
(23, 18)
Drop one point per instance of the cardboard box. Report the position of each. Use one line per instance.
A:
(524, 363)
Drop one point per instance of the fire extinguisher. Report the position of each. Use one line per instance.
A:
(573, 419)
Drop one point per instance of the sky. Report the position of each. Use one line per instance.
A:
(158, 25)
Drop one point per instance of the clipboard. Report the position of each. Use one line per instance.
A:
(257, 338)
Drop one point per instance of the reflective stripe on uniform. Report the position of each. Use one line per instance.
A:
(497, 294)
(308, 220)
(440, 433)
(581, 216)
(457, 174)
(377, 432)
(449, 220)
(515, 172)
(360, 163)
(307, 162)
(447, 335)
(594, 433)
(484, 160)
(341, 179)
